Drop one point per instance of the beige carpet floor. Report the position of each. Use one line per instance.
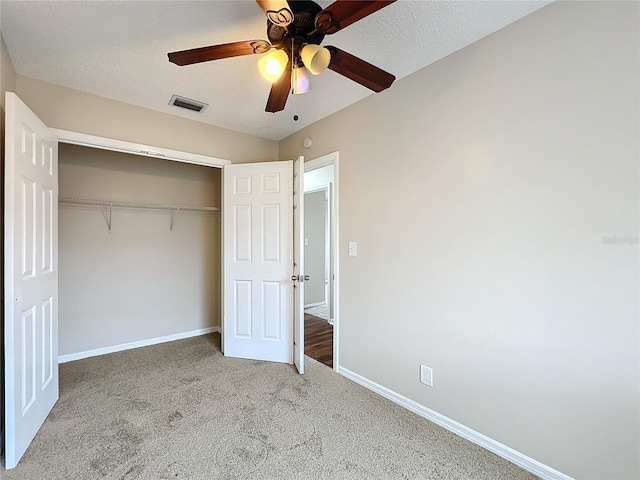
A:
(181, 410)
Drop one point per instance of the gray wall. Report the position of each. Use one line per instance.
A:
(141, 280)
(320, 177)
(315, 217)
(8, 75)
(484, 191)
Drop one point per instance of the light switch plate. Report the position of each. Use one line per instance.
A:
(426, 375)
(353, 249)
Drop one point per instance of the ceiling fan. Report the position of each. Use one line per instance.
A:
(295, 30)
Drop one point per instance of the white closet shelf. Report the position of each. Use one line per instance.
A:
(174, 209)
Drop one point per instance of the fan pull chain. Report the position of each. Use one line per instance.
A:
(295, 97)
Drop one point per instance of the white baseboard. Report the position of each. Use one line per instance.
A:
(317, 304)
(533, 466)
(142, 343)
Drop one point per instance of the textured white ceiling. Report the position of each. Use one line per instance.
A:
(118, 50)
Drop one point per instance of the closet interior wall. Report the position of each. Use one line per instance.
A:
(142, 280)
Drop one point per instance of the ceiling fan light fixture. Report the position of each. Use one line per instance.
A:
(300, 80)
(273, 64)
(292, 51)
(315, 58)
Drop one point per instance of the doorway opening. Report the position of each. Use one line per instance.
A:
(320, 259)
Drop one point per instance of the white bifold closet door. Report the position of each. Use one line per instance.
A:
(30, 275)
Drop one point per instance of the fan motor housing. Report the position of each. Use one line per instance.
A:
(302, 29)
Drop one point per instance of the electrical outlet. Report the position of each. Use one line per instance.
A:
(426, 375)
(353, 249)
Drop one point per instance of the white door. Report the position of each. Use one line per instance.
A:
(30, 276)
(298, 264)
(258, 260)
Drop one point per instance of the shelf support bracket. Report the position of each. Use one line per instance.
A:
(109, 219)
(173, 218)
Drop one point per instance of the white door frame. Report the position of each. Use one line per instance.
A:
(323, 161)
(299, 273)
(104, 143)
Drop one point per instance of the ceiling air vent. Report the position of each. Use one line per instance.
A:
(187, 103)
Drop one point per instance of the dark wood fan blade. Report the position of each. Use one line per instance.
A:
(277, 11)
(217, 52)
(359, 71)
(279, 93)
(343, 13)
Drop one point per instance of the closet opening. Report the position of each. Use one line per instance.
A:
(139, 250)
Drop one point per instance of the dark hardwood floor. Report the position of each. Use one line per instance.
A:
(318, 339)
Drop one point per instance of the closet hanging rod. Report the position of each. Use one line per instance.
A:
(139, 205)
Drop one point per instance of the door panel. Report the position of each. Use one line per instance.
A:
(272, 311)
(271, 242)
(257, 272)
(242, 234)
(242, 305)
(31, 276)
